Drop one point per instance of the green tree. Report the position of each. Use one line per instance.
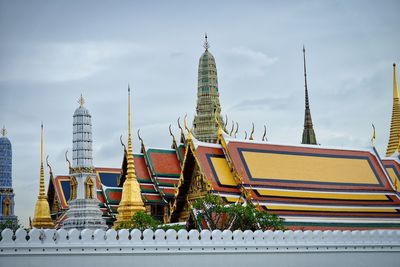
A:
(212, 213)
(9, 224)
(141, 220)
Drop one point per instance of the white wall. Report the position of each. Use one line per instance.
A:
(87, 248)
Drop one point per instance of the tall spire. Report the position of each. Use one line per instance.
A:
(42, 218)
(395, 122)
(205, 127)
(308, 132)
(131, 199)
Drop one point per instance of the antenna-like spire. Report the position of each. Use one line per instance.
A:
(305, 78)
(308, 132)
(3, 131)
(206, 45)
(395, 122)
(42, 191)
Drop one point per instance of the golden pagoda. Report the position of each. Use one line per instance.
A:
(395, 122)
(42, 218)
(131, 199)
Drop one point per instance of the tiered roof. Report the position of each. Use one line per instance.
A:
(157, 172)
(310, 186)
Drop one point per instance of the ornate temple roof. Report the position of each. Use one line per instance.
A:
(312, 187)
(157, 172)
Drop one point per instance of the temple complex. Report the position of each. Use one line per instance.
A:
(84, 211)
(6, 190)
(310, 187)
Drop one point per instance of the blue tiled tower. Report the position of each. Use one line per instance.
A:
(6, 191)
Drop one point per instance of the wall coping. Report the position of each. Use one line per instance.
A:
(50, 241)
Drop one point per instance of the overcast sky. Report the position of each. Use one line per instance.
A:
(52, 51)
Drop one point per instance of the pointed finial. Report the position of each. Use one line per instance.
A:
(252, 132)
(41, 181)
(187, 128)
(122, 143)
(131, 173)
(3, 131)
(206, 44)
(264, 138)
(373, 135)
(237, 129)
(394, 124)
(233, 127)
(305, 77)
(182, 140)
(81, 101)
(395, 85)
(48, 165)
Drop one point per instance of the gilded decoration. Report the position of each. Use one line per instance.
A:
(73, 185)
(6, 206)
(89, 187)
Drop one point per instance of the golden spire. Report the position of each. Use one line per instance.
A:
(131, 199)
(395, 122)
(3, 131)
(81, 101)
(42, 218)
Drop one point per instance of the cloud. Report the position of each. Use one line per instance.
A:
(246, 61)
(270, 103)
(58, 62)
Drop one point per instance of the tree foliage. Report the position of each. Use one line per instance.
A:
(141, 220)
(9, 224)
(211, 212)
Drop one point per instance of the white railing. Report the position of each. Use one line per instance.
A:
(22, 246)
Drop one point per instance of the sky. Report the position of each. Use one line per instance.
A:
(51, 52)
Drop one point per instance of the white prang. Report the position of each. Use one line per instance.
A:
(84, 212)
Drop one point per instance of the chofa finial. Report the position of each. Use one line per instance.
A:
(373, 135)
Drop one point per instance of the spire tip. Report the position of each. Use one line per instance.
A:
(206, 44)
(3, 131)
(81, 101)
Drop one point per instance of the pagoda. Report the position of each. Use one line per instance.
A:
(84, 211)
(205, 125)
(131, 198)
(6, 190)
(42, 218)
